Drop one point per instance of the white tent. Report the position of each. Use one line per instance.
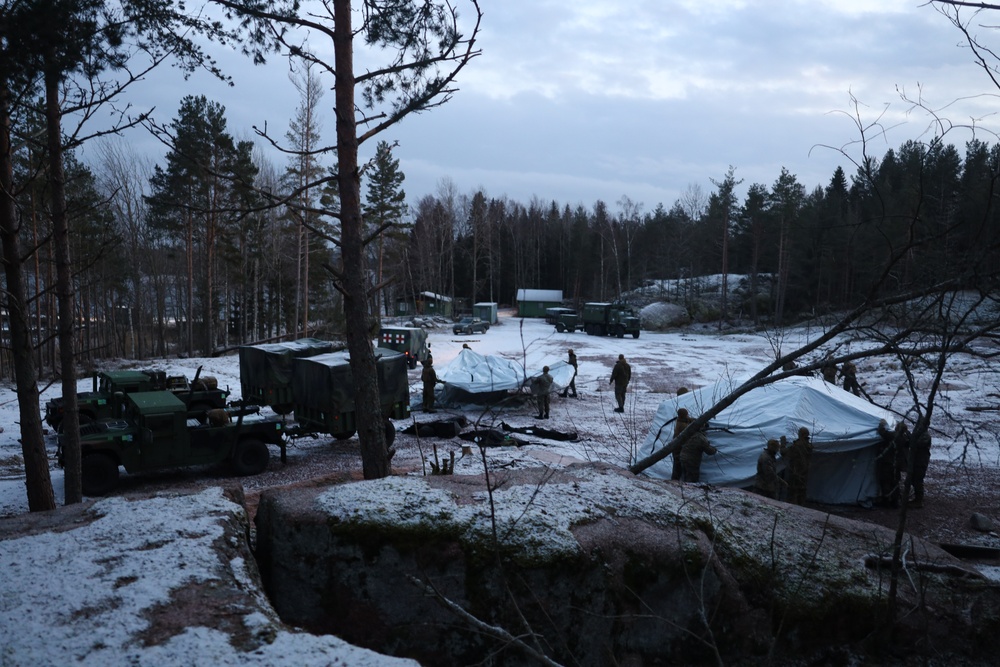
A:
(843, 429)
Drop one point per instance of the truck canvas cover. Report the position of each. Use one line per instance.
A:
(269, 365)
(325, 382)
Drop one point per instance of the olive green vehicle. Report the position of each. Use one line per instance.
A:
(411, 341)
(152, 432)
(323, 387)
(610, 319)
(266, 370)
(199, 395)
(319, 388)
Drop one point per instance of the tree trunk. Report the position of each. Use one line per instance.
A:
(64, 291)
(36, 463)
(354, 277)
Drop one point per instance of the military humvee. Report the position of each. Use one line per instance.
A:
(153, 432)
(200, 395)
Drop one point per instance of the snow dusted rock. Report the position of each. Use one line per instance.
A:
(156, 581)
(606, 568)
(661, 316)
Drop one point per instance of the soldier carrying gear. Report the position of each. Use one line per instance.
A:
(572, 382)
(850, 374)
(691, 452)
(621, 374)
(767, 481)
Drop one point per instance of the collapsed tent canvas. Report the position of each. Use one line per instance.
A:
(842, 427)
(475, 378)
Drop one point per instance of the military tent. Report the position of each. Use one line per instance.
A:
(842, 425)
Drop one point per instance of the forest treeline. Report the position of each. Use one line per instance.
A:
(217, 246)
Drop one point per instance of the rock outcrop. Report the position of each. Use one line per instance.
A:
(592, 566)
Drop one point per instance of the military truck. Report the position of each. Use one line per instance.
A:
(153, 432)
(610, 319)
(266, 370)
(411, 341)
(199, 395)
(323, 392)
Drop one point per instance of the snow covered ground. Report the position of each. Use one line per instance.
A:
(661, 363)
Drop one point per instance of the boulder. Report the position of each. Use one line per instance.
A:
(159, 581)
(602, 567)
(661, 316)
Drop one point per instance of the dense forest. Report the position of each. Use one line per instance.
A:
(217, 246)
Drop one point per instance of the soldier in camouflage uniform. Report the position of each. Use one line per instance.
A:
(886, 472)
(850, 374)
(691, 452)
(683, 420)
(829, 370)
(541, 386)
(572, 382)
(767, 483)
(621, 374)
(798, 456)
(429, 377)
(920, 453)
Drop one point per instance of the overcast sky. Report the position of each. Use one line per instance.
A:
(579, 100)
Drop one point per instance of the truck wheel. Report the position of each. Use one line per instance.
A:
(390, 433)
(251, 457)
(344, 436)
(635, 334)
(282, 409)
(99, 474)
(561, 328)
(411, 363)
(619, 331)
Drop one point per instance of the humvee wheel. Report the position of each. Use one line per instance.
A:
(344, 436)
(251, 457)
(390, 433)
(99, 474)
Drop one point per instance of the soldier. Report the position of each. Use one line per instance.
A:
(429, 377)
(540, 387)
(850, 374)
(572, 382)
(886, 472)
(920, 453)
(691, 452)
(901, 447)
(829, 369)
(767, 481)
(683, 420)
(798, 455)
(620, 376)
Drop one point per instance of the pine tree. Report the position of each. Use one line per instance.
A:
(385, 208)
